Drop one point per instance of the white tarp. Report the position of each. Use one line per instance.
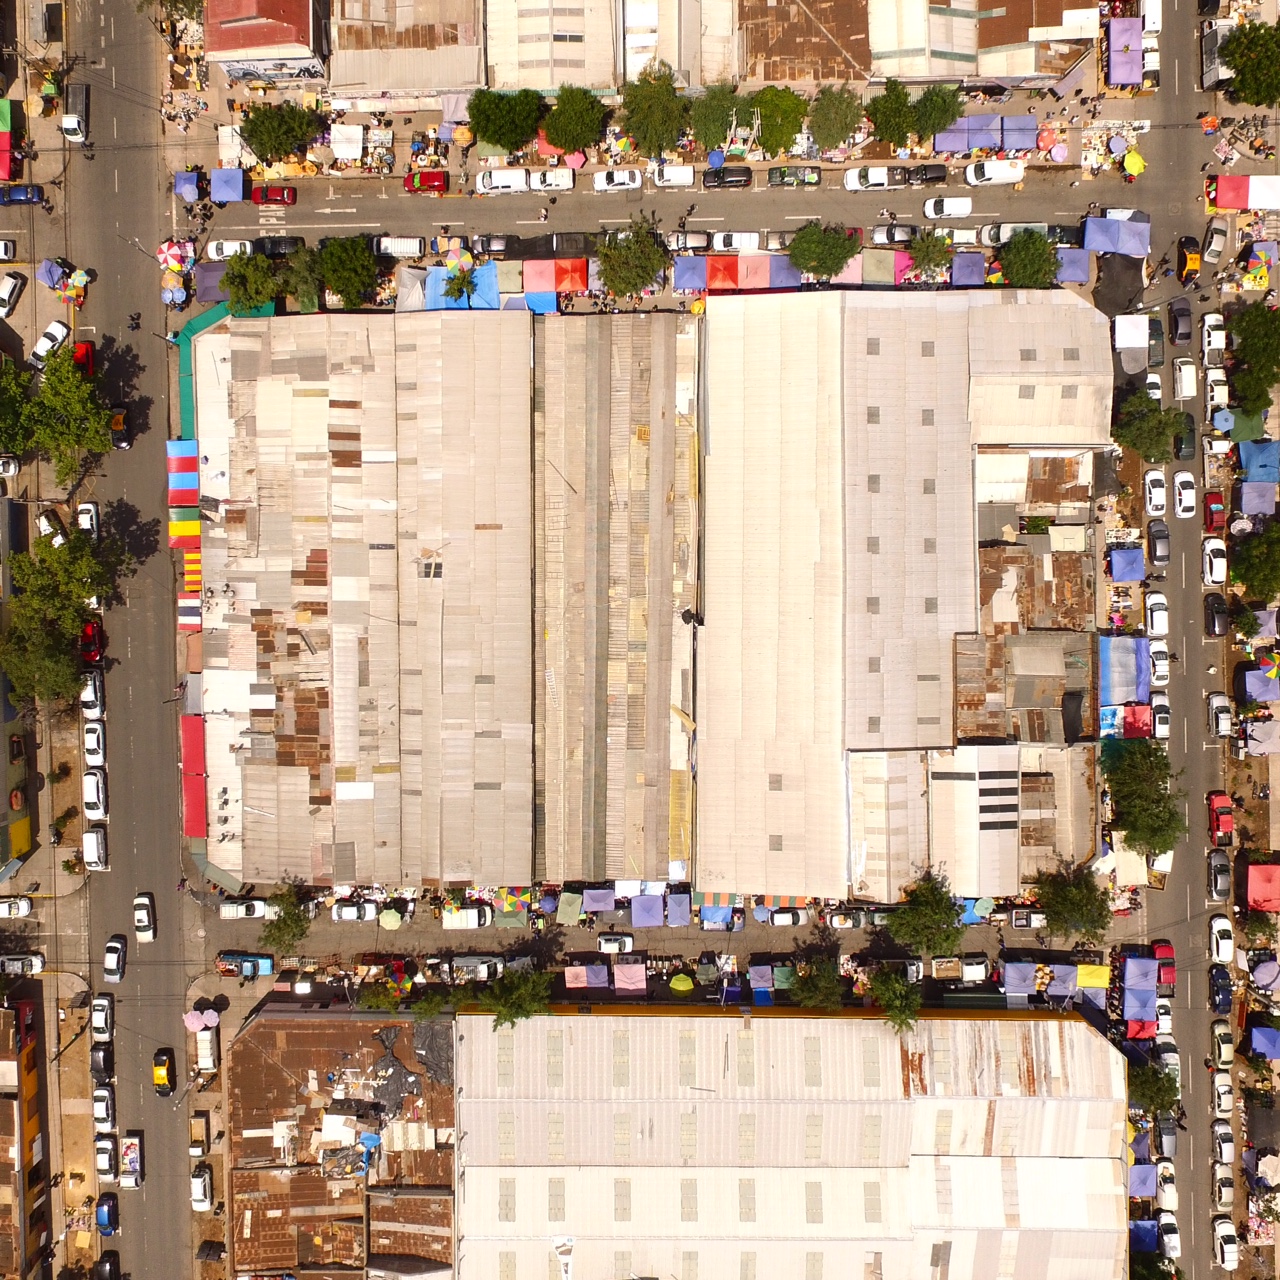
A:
(1131, 331)
(411, 289)
(347, 141)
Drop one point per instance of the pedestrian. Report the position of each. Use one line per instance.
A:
(542, 215)
(1204, 168)
(893, 217)
(884, 213)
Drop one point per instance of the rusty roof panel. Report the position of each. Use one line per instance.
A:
(814, 43)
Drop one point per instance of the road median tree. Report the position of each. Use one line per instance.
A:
(518, 994)
(782, 114)
(506, 120)
(819, 986)
(834, 116)
(891, 114)
(1255, 349)
(1152, 1089)
(1146, 807)
(66, 417)
(1255, 563)
(712, 115)
(1252, 51)
(285, 934)
(928, 919)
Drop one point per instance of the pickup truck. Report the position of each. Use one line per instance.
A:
(131, 1160)
(198, 1141)
(473, 969)
(244, 964)
(248, 909)
(967, 970)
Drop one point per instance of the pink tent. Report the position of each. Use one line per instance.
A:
(571, 275)
(540, 275)
(575, 977)
(901, 266)
(753, 271)
(1264, 888)
(545, 148)
(630, 977)
(722, 273)
(852, 273)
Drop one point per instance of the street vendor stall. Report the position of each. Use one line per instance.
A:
(226, 186)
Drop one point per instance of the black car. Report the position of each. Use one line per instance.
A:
(1180, 322)
(1069, 235)
(1219, 989)
(102, 1063)
(1215, 614)
(107, 1266)
(493, 245)
(731, 175)
(1158, 543)
(1155, 344)
(927, 175)
(1184, 443)
(277, 246)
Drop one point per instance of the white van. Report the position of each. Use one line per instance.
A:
(995, 173)
(93, 848)
(207, 1056)
(467, 917)
(551, 180)
(1152, 16)
(673, 175)
(1184, 379)
(399, 246)
(496, 182)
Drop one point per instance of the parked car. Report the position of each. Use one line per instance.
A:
(247, 909)
(22, 194)
(1157, 613)
(1155, 388)
(1224, 1179)
(120, 428)
(688, 241)
(995, 172)
(107, 1214)
(1215, 241)
(787, 917)
(1158, 550)
(1216, 391)
(1161, 715)
(278, 246)
(1222, 822)
(795, 175)
(93, 794)
(91, 701)
(1222, 942)
(1155, 495)
(1184, 443)
(557, 179)
(102, 1064)
(91, 642)
(1226, 1247)
(354, 910)
(271, 193)
(494, 245)
(51, 340)
(114, 957)
(15, 908)
(1224, 1142)
(1215, 512)
(144, 917)
(105, 1160)
(1216, 619)
(615, 943)
(1166, 1134)
(778, 241)
(948, 207)
(202, 1188)
(87, 520)
(11, 287)
(1168, 1235)
(1184, 495)
(1219, 981)
(1166, 967)
(1164, 1054)
(1224, 1096)
(618, 180)
(1180, 321)
(729, 175)
(1219, 707)
(1213, 338)
(928, 175)
(104, 1109)
(1155, 343)
(221, 250)
(107, 1266)
(1166, 1186)
(735, 241)
(102, 1019)
(1213, 562)
(1224, 1048)
(875, 178)
(1188, 267)
(894, 233)
(432, 181)
(1159, 664)
(1164, 1016)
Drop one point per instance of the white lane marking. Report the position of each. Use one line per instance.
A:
(117, 174)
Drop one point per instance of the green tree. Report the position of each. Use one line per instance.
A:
(1255, 563)
(52, 583)
(378, 995)
(1255, 347)
(285, 933)
(928, 920)
(250, 281)
(40, 662)
(891, 114)
(820, 986)
(823, 251)
(630, 259)
(937, 108)
(712, 115)
(1143, 426)
(1152, 1089)
(1246, 624)
(654, 111)
(782, 116)
(429, 1006)
(1252, 51)
(273, 131)
(930, 253)
(519, 993)
(1146, 807)
(15, 389)
(66, 417)
(349, 268)
(507, 120)
(898, 999)
(1259, 927)
(834, 116)
(1074, 901)
(460, 284)
(577, 120)
(1151, 1266)
(301, 279)
(1029, 261)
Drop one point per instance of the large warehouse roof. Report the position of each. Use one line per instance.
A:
(721, 1147)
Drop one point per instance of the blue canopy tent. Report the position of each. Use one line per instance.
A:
(953, 138)
(1260, 687)
(186, 186)
(1265, 1042)
(1020, 978)
(1019, 132)
(1128, 564)
(1144, 1237)
(678, 910)
(1257, 499)
(1139, 1004)
(542, 304)
(967, 270)
(51, 272)
(691, 274)
(485, 297)
(226, 186)
(1261, 460)
(1073, 265)
(1124, 674)
(1140, 973)
(1112, 235)
(647, 911)
(984, 132)
(783, 274)
(1142, 1181)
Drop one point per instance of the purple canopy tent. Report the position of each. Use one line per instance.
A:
(597, 899)
(1139, 1004)
(209, 282)
(1260, 687)
(1124, 52)
(690, 274)
(678, 910)
(967, 270)
(1266, 1042)
(1019, 133)
(1117, 235)
(226, 186)
(1019, 978)
(646, 911)
(186, 186)
(1258, 498)
(783, 274)
(1127, 564)
(1142, 1181)
(51, 272)
(1073, 265)
(1063, 982)
(1266, 621)
(984, 132)
(761, 975)
(1140, 973)
(598, 976)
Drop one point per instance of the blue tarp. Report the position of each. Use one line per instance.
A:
(485, 297)
(186, 186)
(1139, 1005)
(967, 270)
(761, 996)
(1019, 132)
(1114, 235)
(597, 975)
(1140, 973)
(541, 304)
(678, 910)
(715, 915)
(1073, 265)
(969, 916)
(1142, 1181)
(1128, 564)
(1124, 670)
(691, 273)
(1144, 1237)
(782, 275)
(1266, 1042)
(226, 186)
(646, 911)
(1261, 460)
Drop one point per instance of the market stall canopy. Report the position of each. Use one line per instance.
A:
(1128, 564)
(968, 270)
(1140, 1004)
(51, 272)
(1063, 982)
(1073, 265)
(597, 899)
(1019, 133)
(389, 919)
(1266, 622)
(1020, 978)
(1261, 686)
(510, 276)
(722, 272)
(1264, 887)
(186, 186)
(783, 274)
(646, 911)
(411, 289)
(678, 913)
(1142, 1181)
(715, 914)
(690, 274)
(1124, 52)
(1091, 976)
(485, 297)
(1265, 1042)
(1140, 973)
(1115, 235)
(1132, 333)
(851, 273)
(571, 275)
(568, 909)
(540, 275)
(1266, 976)
(1261, 460)
(542, 304)
(753, 271)
(347, 141)
(1124, 669)
(192, 1020)
(630, 977)
(879, 266)
(209, 282)
(1134, 164)
(1247, 426)
(226, 186)
(1257, 499)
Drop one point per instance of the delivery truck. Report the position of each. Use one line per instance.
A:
(198, 1142)
(968, 970)
(131, 1160)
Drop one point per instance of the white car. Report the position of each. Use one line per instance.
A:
(1159, 664)
(1215, 241)
(875, 178)
(49, 525)
(1224, 1185)
(1216, 391)
(104, 1157)
(613, 944)
(995, 173)
(1224, 1053)
(102, 1019)
(497, 182)
(104, 1109)
(87, 519)
(49, 341)
(1155, 497)
(14, 908)
(1224, 1142)
(948, 207)
(1224, 1096)
(93, 794)
(352, 909)
(1219, 714)
(114, 957)
(1157, 614)
(1164, 1054)
(1213, 562)
(1161, 715)
(202, 1188)
(221, 250)
(1166, 1186)
(735, 242)
(144, 917)
(1226, 1247)
(618, 180)
(91, 705)
(248, 909)
(10, 291)
(1184, 495)
(1167, 1231)
(787, 917)
(560, 179)
(1222, 941)
(1213, 338)
(94, 741)
(1164, 1016)
(1155, 388)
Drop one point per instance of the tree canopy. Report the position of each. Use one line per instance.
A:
(820, 986)
(460, 284)
(822, 251)
(15, 391)
(250, 282)
(899, 1000)
(1151, 1088)
(1143, 426)
(576, 121)
(654, 111)
(834, 116)
(892, 116)
(1255, 347)
(631, 258)
(273, 131)
(1252, 51)
(1075, 902)
(1147, 808)
(1029, 261)
(39, 662)
(930, 253)
(782, 114)
(937, 108)
(712, 115)
(300, 278)
(1255, 562)
(519, 993)
(285, 933)
(349, 268)
(507, 120)
(928, 919)
(66, 417)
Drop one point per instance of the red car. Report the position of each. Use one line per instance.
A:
(274, 195)
(436, 180)
(1222, 819)
(82, 356)
(1166, 967)
(1215, 513)
(91, 641)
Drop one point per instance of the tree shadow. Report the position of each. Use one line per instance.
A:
(546, 949)
(122, 523)
(120, 367)
(822, 943)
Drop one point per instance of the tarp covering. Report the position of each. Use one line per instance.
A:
(630, 977)
(346, 141)
(1113, 235)
(209, 282)
(1018, 133)
(1140, 1030)
(411, 289)
(575, 976)
(1140, 973)
(542, 304)
(186, 186)
(1266, 1042)
(1019, 978)
(569, 908)
(226, 186)
(1246, 426)
(1128, 564)
(1139, 1004)
(1262, 737)
(1124, 52)
(1144, 1237)
(597, 899)
(1257, 499)
(715, 914)
(1261, 687)
(761, 975)
(192, 730)
(879, 266)
(678, 910)
(691, 274)
(1131, 333)
(646, 911)
(1124, 670)
(485, 297)
(1089, 976)
(195, 807)
(1264, 888)
(1142, 1181)
(1073, 265)
(967, 270)
(1261, 461)
(1063, 982)
(1266, 621)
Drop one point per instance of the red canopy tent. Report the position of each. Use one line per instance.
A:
(722, 272)
(571, 275)
(195, 807)
(1264, 888)
(193, 760)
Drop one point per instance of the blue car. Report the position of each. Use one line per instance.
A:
(1219, 989)
(108, 1214)
(22, 195)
